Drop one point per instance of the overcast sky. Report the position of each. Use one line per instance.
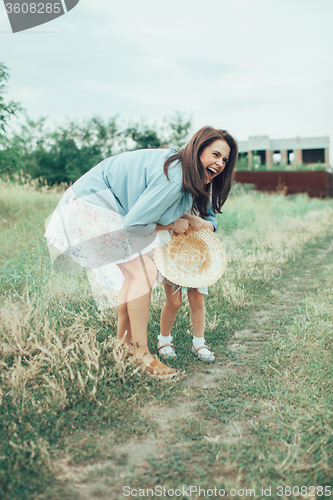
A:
(254, 67)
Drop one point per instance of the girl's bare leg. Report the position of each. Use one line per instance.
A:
(143, 273)
(197, 303)
(170, 309)
(198, 315)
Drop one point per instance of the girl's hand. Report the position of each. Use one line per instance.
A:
(180, 226)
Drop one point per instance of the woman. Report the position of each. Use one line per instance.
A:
(116, 213)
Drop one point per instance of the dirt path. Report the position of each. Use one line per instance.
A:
(105, 479)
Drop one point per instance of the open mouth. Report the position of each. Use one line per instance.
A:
(210, 172)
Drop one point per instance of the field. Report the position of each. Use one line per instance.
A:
(80, 420)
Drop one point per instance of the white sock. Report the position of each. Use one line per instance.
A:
(165, 340)
(198, 342)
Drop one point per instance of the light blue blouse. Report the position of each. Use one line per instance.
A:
(211, 217)
(134, 184)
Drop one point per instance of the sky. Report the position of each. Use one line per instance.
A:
(253, 67)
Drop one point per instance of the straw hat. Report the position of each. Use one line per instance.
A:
(194, 260)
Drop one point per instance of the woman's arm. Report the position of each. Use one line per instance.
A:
(208, 225)
(198, 223)
(194, 221)
(152, 203)
(159, 227)
(179, 226)
(211, 219)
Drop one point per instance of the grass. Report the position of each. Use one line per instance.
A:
(70, 399)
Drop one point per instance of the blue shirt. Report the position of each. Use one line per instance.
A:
(211, 217)
(134, 184)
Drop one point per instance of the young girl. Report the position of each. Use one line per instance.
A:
(115, 214)
(217, 155)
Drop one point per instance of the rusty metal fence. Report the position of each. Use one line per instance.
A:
(317, 183)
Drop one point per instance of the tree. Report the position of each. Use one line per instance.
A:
(58, 153)
(180, 129)
(7, 108)
(143, 136)
(62, 153)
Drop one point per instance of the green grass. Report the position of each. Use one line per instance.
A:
(68, 397)
(280, 403)
(292, 377)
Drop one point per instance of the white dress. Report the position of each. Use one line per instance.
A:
(109, 215)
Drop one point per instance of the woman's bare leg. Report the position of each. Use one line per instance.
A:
(170, 309)
(124, 326)
(143, 273)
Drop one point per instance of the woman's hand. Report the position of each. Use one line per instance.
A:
(180, 226)
(198, 223)
(195, 222)
(208, 225)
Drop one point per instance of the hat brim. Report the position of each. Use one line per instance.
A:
(194, 260)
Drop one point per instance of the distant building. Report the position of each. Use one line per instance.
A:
(308, 150)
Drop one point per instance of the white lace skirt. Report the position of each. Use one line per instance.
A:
(83, 235)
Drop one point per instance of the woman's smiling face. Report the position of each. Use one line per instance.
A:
(214, 158)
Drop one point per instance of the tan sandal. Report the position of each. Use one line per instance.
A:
(171, 354)
(159, 369)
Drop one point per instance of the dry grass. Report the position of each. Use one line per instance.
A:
(38, 356)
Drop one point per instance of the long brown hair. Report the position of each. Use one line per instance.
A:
(194, 172)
